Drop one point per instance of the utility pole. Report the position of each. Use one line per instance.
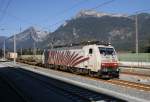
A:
(14, 48)
(136, 34)
(34, 49)
(21, 51)
(4, 47)
(137, 37)
(21, 47)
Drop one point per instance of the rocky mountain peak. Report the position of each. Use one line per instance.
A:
(27, 37)
(93, 13)
(31, 33)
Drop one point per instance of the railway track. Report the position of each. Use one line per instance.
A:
(73, 92)
(137, 74)
(122, 83)
(143, 87)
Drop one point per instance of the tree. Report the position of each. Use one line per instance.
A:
(147, 49)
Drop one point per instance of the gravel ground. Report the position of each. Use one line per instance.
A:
(135, 70)
(135, 78)
(129, 92)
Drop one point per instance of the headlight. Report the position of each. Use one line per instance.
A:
(103, 64)
(117, 69)
(115, 64)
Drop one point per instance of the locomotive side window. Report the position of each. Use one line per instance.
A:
(90, 51)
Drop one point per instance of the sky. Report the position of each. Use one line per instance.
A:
(18, 15)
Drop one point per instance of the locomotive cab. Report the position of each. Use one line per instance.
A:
(103, 60)
(109, 62)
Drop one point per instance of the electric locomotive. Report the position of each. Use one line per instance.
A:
(93, 59)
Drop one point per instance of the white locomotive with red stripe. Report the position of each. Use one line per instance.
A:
(93, 59)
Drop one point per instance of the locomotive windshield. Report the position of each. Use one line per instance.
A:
(106, 51)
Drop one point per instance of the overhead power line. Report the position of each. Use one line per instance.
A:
(28, 22)
(102, 4)
(98, 6)
(67, 9)
(144, 10)
(19, 19)
(1, 4)
(61, 13)
(5, 10)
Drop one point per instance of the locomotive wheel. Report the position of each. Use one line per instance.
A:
(91, 74)
(74, 70)
(56, 67)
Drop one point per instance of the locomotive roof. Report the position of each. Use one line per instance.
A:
(69, 48)
(81, 45)
(78, 47)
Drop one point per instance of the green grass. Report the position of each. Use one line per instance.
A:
(141, 57)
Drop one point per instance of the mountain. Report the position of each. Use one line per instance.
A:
(27, 38)
(115, 28)
(119, 29)
(93, 13)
